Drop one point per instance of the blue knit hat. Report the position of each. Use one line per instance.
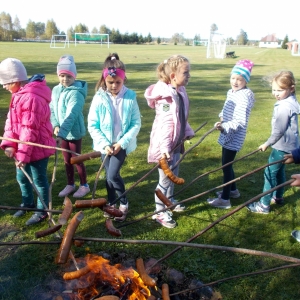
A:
(243, 68)
(66, 65)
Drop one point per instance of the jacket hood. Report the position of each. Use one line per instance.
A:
(159, 91)
(79, 85)
(37, 85)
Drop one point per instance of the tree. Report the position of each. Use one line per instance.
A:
(30, 30)
(5, 27)
(285, 40)
(158, 40)
(149, 38)
(104, 29)
(81, 28)
(242, 38)
(40, 29)
(94, 30)
(51, 29)
(16, 24)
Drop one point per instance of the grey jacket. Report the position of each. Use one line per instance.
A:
(285, 135)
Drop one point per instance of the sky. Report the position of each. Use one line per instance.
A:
(163, 19)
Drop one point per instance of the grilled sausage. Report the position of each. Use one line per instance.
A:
(65, 246)
(168, 172)
(148, 280)
(47, 231)
(111, 229)
(112, 211)
(165, 291)
(83, 157)
(65, 215)
(76, 274)
(90, 203)
(166, 201)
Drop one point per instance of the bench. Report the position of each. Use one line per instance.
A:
(230, 54)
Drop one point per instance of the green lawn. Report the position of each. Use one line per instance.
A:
(26, 266)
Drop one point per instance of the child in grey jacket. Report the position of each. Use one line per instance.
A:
(284, 138)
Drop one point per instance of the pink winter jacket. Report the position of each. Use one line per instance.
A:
(166, 126)
(28, 120)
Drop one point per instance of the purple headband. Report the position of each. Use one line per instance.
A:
(112, 71)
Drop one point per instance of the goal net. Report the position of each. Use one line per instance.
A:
(216, 46)
(59, 41)
(91, 38)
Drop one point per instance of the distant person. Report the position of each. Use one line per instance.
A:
(68, 98)
(114, 122)
(169, 99)
(284, 138)
(233, 125)
(28, 120)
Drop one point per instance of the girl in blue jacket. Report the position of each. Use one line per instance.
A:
(67, 119)
(114, 122)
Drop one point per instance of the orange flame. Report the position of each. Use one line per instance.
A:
(115, 276)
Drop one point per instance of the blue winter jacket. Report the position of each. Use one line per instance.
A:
(67, 110)
(101, 122)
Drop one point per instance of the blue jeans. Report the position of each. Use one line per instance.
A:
(114, 182)
(37, 170)
(274, 175)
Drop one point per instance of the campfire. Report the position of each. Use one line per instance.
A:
(100, 279)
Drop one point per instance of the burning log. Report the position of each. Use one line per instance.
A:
(64, 217)
(168, 172)
(111, 229)
(47, 231)
(108, 298)
(100, 202)
(83, 157)
(76, 274)
(148, 280)
(65, 245)
(151, 297)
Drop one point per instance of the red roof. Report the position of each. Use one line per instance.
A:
(270, 38)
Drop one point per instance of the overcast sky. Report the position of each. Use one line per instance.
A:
(257, 18)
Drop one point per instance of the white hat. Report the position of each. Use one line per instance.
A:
(12, 70)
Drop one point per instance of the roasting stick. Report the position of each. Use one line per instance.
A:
(224, 217)
(152, 170)
(212, 171)
(45, 206)
(98, 175)
(52, 183)
(30, 209)
(37, 145)
(201, 194)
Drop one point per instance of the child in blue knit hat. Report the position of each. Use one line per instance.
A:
(233, 127)
(68, 99)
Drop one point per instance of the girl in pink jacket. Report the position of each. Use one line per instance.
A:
(28, 120)
(170, 127)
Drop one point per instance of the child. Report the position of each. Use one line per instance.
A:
(28, 120)
(114, 122)
(170, 127)
(233, 127)
(67, 119)
(283, 139)
(290, 158)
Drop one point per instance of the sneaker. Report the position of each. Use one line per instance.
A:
(279, 201)
(67, 190)
(219, 203)
(179, 207)
(124, 210)
(165, 219)
(296, 234)
(233, 194)
(22, 212)
(258, 207)
(37, 217)
(82, 191)
(107, 215)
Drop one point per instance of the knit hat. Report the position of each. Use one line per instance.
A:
(12, 70)
(67, 65)
(243, 68)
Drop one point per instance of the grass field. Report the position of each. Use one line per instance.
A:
(27, 266)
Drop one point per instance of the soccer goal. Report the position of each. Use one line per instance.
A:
(216, 46)
(59, 41)
(91, 38)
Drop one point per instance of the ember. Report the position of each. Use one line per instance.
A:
(104, 279)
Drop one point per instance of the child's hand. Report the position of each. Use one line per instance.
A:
(263, 147)
(109, 150)
(289, 158)
(56, 130)
(218, 126)
(10, 152)
(20, 164)
(297, 180)
(116, 148)
(166, 155)
(58, 141)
